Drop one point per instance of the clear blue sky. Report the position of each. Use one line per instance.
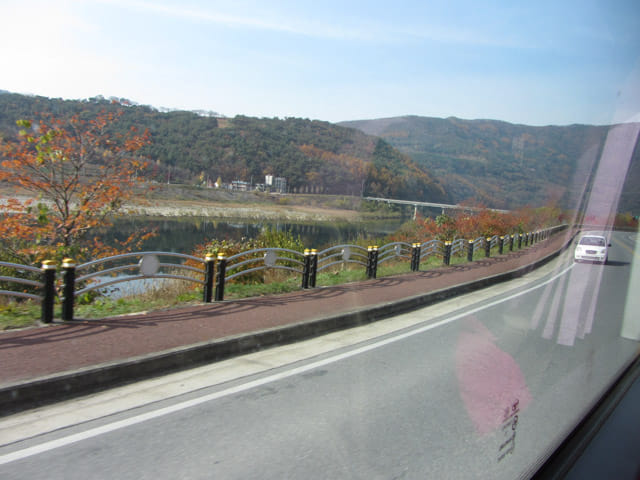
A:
(533, 62)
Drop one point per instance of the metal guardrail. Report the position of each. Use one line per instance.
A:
(46, 285)
(342, 255)
(263, 259)
(21, 281)
(212, 273)
(147, 267)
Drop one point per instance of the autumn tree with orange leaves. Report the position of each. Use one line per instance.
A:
(482, 222)
(68, 177)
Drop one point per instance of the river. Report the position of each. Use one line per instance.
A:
(182, 235)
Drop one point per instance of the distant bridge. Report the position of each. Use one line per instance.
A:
(443, 206)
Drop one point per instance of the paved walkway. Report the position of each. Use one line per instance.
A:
(37, 354)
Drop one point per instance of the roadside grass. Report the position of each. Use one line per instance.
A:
(19, 314)
(16, 314)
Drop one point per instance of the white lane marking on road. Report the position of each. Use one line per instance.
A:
(94, 432)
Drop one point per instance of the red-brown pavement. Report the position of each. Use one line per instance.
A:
(62, 347)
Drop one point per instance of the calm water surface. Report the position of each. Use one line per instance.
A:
(182, 235)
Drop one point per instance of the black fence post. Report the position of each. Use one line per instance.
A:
(306, 268)
(526, 239)
(501, 245)
(447, 253)
(209, 262)
(48, 290)
(69, 278)
(222, 268)
(374, 263)
(415, 257)
(470, 251)
(369, 261)
(487, 248)
(314, 268)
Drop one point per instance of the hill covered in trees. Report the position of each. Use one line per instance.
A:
(313, 156)
(500, 164)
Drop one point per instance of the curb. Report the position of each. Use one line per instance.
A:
(57, 387)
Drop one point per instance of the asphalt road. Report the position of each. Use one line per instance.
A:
(484, 387)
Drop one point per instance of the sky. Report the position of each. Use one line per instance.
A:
(530, 62)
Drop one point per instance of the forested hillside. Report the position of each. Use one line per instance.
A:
(501, 164)
(313, 156)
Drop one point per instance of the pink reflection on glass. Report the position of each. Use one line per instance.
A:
(490, 379)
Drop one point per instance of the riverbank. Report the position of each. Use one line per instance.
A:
(192, 201)
(295, 213)
(173, 201)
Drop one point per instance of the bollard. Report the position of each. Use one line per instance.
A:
(48, 290)
(69, 278)
(306, 268)
(314, 268)
(519, 241)
(369, 261)
(501, 245)
(446, 257)
(511, 243)
(487, 248)
(415, 257)
(374, 262)
(470, 251)
(209, 262)
(222, 267)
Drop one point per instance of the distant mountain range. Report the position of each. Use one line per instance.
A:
(502, 164)
(498, 164)
(187, 147)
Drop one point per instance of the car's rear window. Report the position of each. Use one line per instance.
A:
(595, 241)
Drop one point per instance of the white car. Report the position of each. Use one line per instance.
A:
(592, 247)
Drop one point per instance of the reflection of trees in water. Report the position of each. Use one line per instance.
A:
(182, 235)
